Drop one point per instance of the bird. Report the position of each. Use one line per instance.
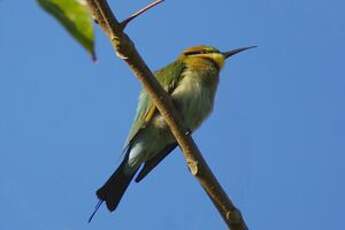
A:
(191, 81)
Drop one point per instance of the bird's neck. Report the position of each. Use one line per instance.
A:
(206, 71)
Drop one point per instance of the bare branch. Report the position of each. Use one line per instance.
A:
(143, 10)
(125, 49)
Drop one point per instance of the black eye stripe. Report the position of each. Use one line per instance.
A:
(199, 52)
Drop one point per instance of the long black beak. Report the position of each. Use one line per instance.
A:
(236, 51)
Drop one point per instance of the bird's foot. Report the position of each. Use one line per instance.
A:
(188, 132)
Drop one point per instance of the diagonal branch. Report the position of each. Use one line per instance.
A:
(125, 49)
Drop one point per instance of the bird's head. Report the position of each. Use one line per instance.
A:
(211, 53)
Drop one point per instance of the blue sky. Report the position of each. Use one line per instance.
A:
(276, 139)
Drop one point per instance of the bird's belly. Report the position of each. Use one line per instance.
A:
(150, 141)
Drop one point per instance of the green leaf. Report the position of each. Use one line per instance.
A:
(74, 15)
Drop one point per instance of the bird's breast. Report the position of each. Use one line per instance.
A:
(194, 97)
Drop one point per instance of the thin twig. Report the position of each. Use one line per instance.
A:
(125, 49)
(141, 11)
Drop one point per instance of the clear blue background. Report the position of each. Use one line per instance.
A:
(276, 139)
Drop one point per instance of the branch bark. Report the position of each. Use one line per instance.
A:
(125, 49)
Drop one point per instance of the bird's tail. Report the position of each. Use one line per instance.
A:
(114, 188)
(112, 191)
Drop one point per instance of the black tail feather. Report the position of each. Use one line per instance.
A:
(112, 191)
(100, 202)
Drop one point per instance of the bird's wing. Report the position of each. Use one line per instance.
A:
(168, 77)
(152, 163)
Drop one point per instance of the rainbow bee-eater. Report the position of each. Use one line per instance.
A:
(192, 82)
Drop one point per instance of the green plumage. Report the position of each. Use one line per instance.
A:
(192, 82)
(168, 77)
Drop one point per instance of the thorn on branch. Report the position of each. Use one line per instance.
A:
(123, 46)
(193, 167)
(124, 23)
